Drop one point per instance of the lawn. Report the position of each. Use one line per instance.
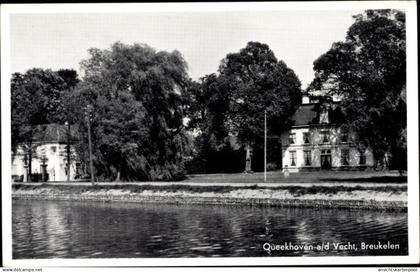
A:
(275, 178)
(303, 177)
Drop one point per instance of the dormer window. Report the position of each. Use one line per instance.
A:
(323, 117)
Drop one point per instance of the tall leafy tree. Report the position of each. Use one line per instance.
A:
(250, 83)
(368, 72)
(259, 84)
(137, 127)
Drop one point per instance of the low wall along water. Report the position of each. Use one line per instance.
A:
(342, 197)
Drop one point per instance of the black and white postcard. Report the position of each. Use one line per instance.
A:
(191, 134)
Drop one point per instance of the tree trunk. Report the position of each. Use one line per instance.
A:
(386, 161)
(30, 156)
(68, 152)
(43, 174)
(248, 155)
(378, 160)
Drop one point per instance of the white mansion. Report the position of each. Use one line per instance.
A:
(317, 141)
(49, 155)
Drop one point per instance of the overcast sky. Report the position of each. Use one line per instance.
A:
(61, 40)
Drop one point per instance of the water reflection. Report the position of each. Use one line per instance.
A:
(59, 229)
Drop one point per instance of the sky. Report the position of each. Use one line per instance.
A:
(59, 41)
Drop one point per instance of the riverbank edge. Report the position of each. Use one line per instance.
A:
(399, 206)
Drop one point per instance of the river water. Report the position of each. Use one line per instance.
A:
(61, 229)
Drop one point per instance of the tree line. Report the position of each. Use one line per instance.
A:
(151, 121)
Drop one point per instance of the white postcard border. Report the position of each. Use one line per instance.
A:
(412, 128)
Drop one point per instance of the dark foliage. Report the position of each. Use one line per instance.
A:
(228, 109)
(38, 97)
(368, 71)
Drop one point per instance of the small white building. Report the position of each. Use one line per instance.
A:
(317, 141)
(49, 151)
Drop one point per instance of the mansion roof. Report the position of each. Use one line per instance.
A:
(318, 114)
(304, 115)
(54, 133)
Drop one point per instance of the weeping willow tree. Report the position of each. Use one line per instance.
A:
(137, 119)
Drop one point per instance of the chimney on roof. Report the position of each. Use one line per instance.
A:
(305, 99)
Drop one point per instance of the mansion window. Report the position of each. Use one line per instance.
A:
(326, 152)
(307, 157)
(344, 137)
(325, 136)
(362, 157)
(306, 139)
(292, 157)
(345, 157)
(292, 138)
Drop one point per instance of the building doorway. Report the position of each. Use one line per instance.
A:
(326, 159)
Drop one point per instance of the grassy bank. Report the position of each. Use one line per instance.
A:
(340, 196)
(173, 188)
